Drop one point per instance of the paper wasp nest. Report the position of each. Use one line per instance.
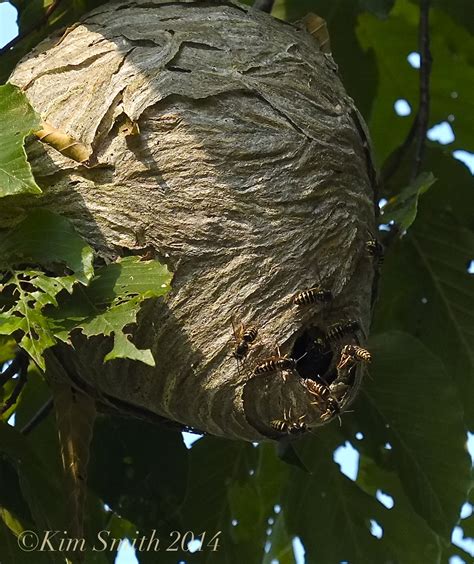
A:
(248, 173)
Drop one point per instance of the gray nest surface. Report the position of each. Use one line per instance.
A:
(250, 177)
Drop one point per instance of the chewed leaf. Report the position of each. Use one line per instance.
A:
(18, 120)
(9, 323)
(110, 303)
(403, 207)
(47, 239)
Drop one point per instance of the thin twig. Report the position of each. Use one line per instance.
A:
(423, 115)
(264, 5)
(13, 368)
(51, 8)
(41, 414)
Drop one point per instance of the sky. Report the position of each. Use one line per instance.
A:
(346, 456)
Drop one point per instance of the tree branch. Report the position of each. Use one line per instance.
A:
(14, 367)
(423, 115)
(264, 5)
(22, 377)
(420, 123)
(41, 414)
(50, 9)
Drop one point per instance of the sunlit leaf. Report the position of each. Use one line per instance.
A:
(111, 302)
(452, 78)
(18, 120)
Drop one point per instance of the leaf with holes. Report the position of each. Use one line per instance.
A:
(18, 120)
(110, 303)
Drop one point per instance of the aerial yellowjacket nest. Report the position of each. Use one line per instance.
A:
(221, 140)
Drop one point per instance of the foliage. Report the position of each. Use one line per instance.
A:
(34, 304)
(18, 121)
(410, 421)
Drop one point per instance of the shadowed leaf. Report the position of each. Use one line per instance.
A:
(416, 399)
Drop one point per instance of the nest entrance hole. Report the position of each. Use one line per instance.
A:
(315, 355)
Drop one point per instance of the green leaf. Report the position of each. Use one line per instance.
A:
(468, 526)
(11, 497)
(133, 477)
(288, 454)
(47, 239)
(461, 11)
(38, 487)
(426, 289)
(7, 346)
(408, 535)
(452, 77)
(130, 276)
(124, 348)
(252, 500)
(12, 554)
(416, 399)
(110, 303)
(380, 8)
(402, 208)
(9, 324)
(281, 547)
(18, 120)
(318, 507)
(216, 464)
